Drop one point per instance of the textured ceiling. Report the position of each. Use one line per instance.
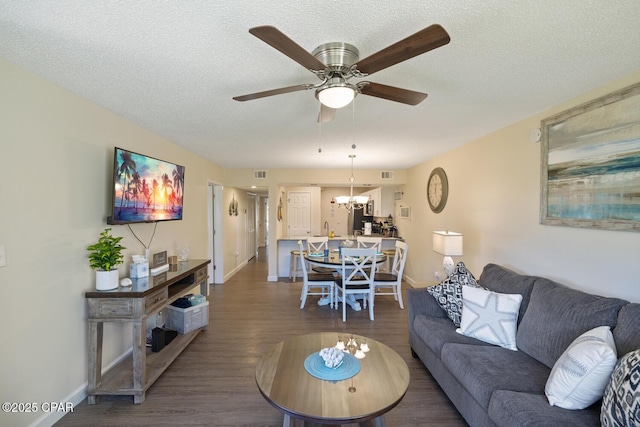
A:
(173, 67)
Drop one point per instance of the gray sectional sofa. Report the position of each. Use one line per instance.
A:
(494, 386)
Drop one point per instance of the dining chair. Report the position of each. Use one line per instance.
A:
(356, 278)
(392, 280)
(321, 284)
(318, 244)
(369, 242)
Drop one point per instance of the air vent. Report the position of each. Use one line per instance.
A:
(386, 175)
(259, 174)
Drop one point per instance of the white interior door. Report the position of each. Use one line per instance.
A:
(299, 213)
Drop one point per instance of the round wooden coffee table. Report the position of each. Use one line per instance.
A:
(378, 387)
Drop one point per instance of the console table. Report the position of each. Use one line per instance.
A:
(136, 373)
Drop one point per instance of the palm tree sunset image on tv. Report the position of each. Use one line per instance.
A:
(145, 189)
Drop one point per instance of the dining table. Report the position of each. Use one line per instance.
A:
(333, 259)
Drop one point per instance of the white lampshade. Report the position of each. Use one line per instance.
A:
(447, 243)
(342, 200)
(337, 96)
(361, 199)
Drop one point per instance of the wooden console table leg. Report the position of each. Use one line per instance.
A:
(204, 290)
(139, 360)
(95, 358)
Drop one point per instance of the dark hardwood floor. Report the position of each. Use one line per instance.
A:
(212, 383)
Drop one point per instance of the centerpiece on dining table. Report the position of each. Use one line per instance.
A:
(345, 244)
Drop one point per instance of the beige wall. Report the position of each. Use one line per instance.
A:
(56, 155)
(494, 201)
(337, 219)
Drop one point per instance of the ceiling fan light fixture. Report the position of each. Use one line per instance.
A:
(337, 93)
(336, 97)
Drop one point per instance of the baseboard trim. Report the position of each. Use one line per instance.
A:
(234, 271)
(76, 397)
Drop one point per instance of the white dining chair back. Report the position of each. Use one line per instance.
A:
(357, 278)
(390, 284)
(321, 284)
(369, 242)
(317, 244)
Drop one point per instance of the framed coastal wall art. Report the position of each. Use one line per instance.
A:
(590, 164)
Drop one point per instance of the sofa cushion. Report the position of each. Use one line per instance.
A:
(621, 401)
(489, 316)
(625, 334)
(513, 408)
(483, 369)
(448, 293)
(580, 375)
(437, 331)
(505, 281)
(557, 315)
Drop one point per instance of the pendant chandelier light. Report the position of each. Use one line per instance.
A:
(351, 202)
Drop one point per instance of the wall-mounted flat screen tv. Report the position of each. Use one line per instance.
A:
(145, 189)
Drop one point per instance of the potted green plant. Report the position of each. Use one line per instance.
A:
(104, 258)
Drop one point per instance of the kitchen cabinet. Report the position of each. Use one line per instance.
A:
(383, 203)
(387, 201)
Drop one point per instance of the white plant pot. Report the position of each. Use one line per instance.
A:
(106, 280)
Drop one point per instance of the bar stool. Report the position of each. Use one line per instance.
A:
(293, 264)
(390, 253)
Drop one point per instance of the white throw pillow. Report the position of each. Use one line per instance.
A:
(582, 372)
(490, 317)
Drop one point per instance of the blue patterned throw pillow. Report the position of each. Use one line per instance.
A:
(448, 293)
(621, 400)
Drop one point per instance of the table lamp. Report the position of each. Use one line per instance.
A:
(447, 243)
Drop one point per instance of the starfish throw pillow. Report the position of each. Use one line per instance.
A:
(489, 316)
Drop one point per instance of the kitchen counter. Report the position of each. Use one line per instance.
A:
(290, 243)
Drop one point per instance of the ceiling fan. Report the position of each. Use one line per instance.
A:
(335, 63)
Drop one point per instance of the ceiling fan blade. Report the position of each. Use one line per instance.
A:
(391, 93)
(326, 114)
(423, 41)
(272, 92)
(278, 40)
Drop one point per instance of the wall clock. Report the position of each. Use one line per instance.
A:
(437, 190)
